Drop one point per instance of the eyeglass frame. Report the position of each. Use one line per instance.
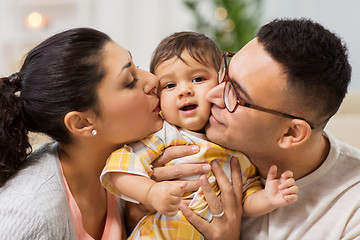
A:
(226, 78)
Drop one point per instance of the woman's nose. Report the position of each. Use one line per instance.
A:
(151, 82)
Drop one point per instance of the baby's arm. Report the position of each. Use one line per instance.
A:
(277, 193)
(164, 197)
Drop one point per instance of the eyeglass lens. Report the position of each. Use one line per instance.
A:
(221, 71)
(230, 96)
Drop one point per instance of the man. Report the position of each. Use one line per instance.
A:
(276, 96)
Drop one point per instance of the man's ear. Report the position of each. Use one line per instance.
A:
(79, 123)
(297, 133)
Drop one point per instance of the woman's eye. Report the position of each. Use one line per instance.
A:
(169, 86)
(198, 79)
(132, 83)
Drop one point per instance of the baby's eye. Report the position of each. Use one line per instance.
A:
(198, 79)
(169, 86)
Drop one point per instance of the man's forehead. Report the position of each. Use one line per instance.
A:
(246, 58)
(249, 47)
(253, 65)
(251, 58)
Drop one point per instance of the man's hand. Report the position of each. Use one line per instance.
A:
(228, 225)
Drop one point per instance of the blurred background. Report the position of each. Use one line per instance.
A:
(139, 25)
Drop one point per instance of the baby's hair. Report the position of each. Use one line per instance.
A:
(200, 47)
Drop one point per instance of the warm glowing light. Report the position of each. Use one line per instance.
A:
(220, 13)
(35, 20)
(229, 25)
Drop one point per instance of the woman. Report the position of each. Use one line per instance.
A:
(83, 90)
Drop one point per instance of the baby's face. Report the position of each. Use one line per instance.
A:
(183, 88)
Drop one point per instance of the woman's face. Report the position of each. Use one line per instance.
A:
(129, 108)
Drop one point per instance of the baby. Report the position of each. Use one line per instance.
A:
(187, 65)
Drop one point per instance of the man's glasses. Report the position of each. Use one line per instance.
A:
(232, 97)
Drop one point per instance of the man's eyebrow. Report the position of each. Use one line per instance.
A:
(241, 90)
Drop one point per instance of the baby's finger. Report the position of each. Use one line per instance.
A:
(287, 174)
(290, 191)
(192, 186)
(287, 183)
(291, 198)
(185, 202)
(272, 173)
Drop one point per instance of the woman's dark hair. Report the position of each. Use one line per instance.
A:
(200, 47)
(59, 75)
(315, 61)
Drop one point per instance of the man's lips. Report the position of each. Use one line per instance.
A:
(213, 118)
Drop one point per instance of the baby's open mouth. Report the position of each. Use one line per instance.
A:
(189, 107)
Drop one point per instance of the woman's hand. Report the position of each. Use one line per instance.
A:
(164, 173)
(226, 225)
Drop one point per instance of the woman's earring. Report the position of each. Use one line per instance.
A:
(94, 132)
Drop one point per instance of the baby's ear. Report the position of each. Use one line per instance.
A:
(298, 133)
(79, 123)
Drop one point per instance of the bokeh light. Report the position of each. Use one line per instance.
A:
(229, 25)
(36, 20)
(220, 13)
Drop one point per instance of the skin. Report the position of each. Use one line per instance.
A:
(287, 143)
(231, 204)
(134, 212)
(265, 138)
(184, 84)
(276, 188)
(121, 120)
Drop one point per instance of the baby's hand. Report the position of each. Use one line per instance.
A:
(165, 197)
(281, 191)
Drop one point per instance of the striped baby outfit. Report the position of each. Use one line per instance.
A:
(137, 157)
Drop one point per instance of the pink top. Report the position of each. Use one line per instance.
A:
(114, 229)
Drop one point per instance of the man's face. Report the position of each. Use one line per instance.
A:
(260, 81)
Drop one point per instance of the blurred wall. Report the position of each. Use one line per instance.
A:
(140, 24)
(341, 17)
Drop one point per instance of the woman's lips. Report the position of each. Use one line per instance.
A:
(157, 107)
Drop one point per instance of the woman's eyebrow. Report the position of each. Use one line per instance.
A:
(130, 54)
(126, 66)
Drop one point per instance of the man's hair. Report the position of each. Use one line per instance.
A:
(315, 61)
(200, 47)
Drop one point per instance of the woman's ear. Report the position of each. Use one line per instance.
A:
(297, 133)
(79, 123)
